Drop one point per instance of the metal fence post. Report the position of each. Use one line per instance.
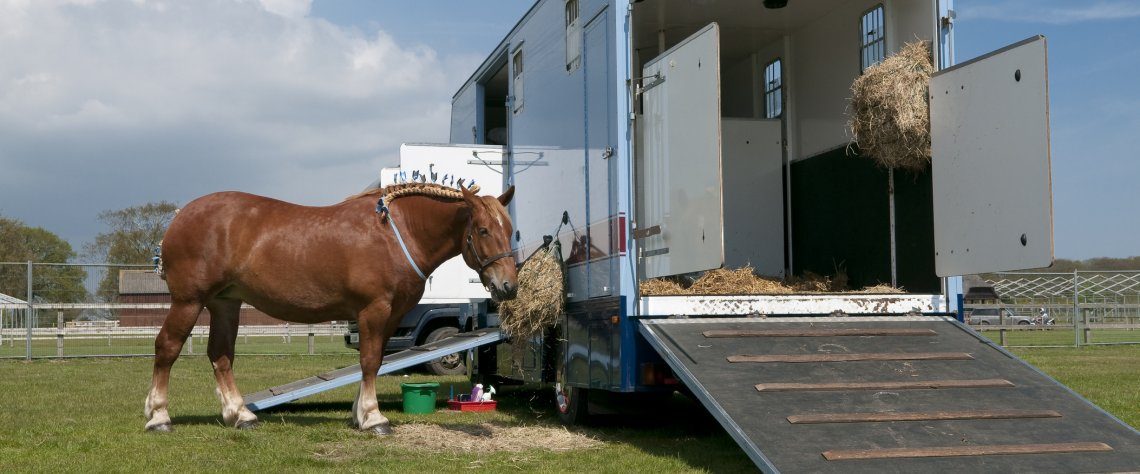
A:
(1076, 309)
(312, 337)
(28, 315)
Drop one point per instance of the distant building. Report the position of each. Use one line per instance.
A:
(979, 291)
(145, 286)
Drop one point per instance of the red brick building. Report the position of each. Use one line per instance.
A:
(144, 286)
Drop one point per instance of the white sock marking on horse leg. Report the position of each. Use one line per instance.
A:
(154, 409)
(366, 411)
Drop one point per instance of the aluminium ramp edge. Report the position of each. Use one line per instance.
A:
(841, 411)
(392, 362)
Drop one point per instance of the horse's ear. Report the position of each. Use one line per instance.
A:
(467, 194)
(505, 198)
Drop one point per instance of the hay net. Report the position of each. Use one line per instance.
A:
(889, 111)
(541, 296)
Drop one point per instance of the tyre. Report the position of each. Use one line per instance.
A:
(447, 365)
(1023, 323)
(572, 404)
(984, 322)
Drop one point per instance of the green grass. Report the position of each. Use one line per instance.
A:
(86, 414)
(72, 414)
(1061, 336)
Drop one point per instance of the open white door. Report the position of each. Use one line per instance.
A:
(989, 124)
(681, 218)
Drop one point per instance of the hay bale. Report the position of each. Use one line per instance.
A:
(890, 119)
(540, 299)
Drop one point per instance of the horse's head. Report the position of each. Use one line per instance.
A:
(487, 243)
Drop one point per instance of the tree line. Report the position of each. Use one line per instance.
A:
(130, 237)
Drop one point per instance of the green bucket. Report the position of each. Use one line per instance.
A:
(419, 397)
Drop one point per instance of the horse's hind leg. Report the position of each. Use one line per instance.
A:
(223, 334)
(179, 322)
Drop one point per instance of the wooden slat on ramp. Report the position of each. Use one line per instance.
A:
(876, 356)
(921, 416)
(819, 332)
(910, 385)
(893, 453)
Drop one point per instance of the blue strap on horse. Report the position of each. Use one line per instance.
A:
(386, 214)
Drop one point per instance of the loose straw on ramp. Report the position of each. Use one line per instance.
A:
(744, 281)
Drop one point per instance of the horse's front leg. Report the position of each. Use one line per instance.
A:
(366, 410)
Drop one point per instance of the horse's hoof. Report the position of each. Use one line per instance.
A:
(161, 428)
(248, 425)
(382, 430)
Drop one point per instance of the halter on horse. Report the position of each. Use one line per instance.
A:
(358, 259)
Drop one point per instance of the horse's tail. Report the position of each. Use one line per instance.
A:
(157, 259)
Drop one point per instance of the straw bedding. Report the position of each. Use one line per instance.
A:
(744, 281)
(488, 437)
(890, 120)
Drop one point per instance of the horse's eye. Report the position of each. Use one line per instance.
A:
(483, 231)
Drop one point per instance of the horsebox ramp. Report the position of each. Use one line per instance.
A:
(899, 394)
(410, 357)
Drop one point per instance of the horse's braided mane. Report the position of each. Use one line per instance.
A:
(393, 191)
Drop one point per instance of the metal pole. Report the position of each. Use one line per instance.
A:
(891, 197)
(312, 337)
(28, 315)
(1076, 311)
(59, 333)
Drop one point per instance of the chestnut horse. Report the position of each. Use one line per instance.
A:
(361, 259)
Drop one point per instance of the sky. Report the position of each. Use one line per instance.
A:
(106, 104)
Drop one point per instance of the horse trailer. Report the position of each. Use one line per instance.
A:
(664, 138)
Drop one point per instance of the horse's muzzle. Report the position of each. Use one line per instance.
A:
(506, 291)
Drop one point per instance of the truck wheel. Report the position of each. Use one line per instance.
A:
(447, 365)
(572, 404)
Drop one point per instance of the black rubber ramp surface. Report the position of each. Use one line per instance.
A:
(887, 416)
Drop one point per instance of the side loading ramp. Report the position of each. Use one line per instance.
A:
(885, 394)
(297, 390)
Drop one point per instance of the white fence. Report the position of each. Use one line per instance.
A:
(85, 310)
(1087, 308)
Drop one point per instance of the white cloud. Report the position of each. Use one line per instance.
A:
(1051, 12)
(288, 8)
(113, 103)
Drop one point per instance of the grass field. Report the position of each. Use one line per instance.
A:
(86, 414)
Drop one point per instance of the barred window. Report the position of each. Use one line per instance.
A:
(573, 35)
(873, 38)
(517, 78)
(773, 89)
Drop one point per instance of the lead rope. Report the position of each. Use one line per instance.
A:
(386, 214)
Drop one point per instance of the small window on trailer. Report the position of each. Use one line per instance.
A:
(573, 36)
(873, 38)
(773, 89)
(517, 78)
